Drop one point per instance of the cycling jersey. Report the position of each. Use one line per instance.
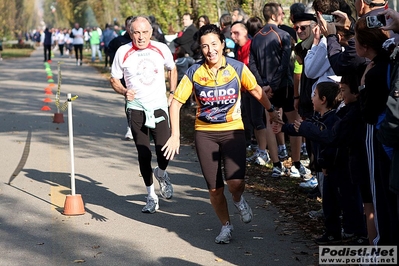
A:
(218, 96)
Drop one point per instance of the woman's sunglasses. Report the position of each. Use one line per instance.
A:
(296, 28)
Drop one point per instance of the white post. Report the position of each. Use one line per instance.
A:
(70, 127)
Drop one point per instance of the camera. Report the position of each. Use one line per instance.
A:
(328, 18)
(375, 21)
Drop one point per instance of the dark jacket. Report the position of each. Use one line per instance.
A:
(117, 42)
(325, 155)
(348, 135)
(374, 96)
(47, 37)
(346, 61)
(187, 39)
(113, 46)
(269, 57)
(157, 33)
(349, 132)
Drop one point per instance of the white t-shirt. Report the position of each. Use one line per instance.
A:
(77, 36)
(60, 38)
(144, 71)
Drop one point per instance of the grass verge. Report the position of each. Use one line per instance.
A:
(8, 53)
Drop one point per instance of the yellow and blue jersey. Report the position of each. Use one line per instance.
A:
(218, 95)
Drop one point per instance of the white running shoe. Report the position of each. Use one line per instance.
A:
(283, 154)
(152, 205)
(253, 157)
(225, 234)
(244, 210)
(129, 135)
(303, 172)
(304, 151)
(311, 183)
(262, 158)
(278, 172)
(166, 188)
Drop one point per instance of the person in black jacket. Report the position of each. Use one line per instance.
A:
(269, 60)
(157, 33)
(117, 42)
(373, 95)
(348, 134)
(47, 43)
(112, 48)
(186, 37)
(338, 193)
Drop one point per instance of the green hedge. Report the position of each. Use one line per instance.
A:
(21, 46)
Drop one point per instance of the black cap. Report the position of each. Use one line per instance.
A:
(304, 17)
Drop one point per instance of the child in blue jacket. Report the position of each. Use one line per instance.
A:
(338, 192)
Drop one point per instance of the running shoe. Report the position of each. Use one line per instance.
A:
(311, 183)
(244, 210)
(166, 188)
(152, 205)
(283, 154)
(225, 234)
(129, 135)
(262, 158)
(304, 151)
(303, 172)
(278, 172)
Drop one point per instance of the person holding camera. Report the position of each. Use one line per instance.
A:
(373, 95)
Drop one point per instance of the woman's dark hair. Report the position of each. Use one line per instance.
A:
(254, 24)
(370, 37)
(210, 28)
(180, 52)
(206, 20)
(329, 90)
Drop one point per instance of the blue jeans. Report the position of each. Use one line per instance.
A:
(95, 48)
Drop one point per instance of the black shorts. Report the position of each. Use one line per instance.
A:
(284, 98)
(221, 154)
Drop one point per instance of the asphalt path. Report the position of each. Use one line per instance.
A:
(36, 178)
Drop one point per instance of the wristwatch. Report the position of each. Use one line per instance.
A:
(172, 92)
(361, 87)
(271, 110)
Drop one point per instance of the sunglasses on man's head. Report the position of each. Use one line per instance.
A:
(296, 28)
